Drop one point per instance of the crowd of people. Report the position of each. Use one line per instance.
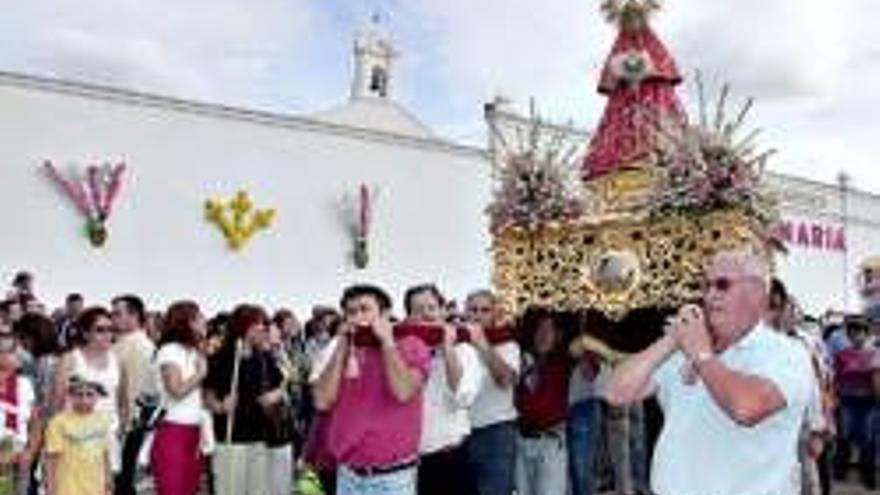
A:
(751, 397)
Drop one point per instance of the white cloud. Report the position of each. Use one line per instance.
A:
(137, 62)
(519, 49)
(207, 49)
(773, 49)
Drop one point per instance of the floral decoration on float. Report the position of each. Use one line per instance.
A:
(536, 177)
(93, 193)
(238, 219)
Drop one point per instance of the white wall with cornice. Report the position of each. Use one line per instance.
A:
(429, 222)
(429, 216)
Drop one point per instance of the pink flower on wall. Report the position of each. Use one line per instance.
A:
(358, 211)
(93, 193)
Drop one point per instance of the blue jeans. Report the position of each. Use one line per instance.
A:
(638, 450)
(541, 465)
(855, 420)
(491, 453)
(855, 416)
(401, 482)
(584, 437)
(627, 449)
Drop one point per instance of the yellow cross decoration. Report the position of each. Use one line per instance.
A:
(238, 219)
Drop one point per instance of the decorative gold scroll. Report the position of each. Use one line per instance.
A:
(615, 264)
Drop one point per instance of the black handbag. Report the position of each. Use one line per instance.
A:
(279, 424)
(150, 411)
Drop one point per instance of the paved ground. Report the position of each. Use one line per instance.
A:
(843, 488)
(849, 489)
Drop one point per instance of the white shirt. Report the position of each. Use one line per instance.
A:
(816, 419)
(445, 420)
(581, 389)
(322, 358)
(702, 451)
(189, 409)
(495, 404)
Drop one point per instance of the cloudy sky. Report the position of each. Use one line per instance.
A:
(813, 65)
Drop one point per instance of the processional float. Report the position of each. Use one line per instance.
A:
(622, 239)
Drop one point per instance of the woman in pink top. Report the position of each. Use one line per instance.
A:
(853, 373)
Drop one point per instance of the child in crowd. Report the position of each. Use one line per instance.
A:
(78, 444)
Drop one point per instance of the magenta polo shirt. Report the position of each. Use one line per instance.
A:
(368, 426)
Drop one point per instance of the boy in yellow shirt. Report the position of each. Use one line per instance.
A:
(78, 444)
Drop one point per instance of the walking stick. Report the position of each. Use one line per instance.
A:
(230, 421)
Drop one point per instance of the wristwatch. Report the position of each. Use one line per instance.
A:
(703, 356)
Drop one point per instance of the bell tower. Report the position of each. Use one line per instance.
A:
(373, 60)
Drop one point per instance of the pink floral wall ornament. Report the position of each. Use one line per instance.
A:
(93, 193)
(358, 211)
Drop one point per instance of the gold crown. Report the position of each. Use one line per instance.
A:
(628, 13)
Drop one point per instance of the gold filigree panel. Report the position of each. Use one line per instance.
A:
(613, 266)
(627, 189)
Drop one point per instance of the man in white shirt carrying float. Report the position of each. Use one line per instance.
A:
(732, 390)
(491, 446)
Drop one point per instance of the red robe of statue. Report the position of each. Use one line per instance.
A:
(639, 78)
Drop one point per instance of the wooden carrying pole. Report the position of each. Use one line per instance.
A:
(230, 422)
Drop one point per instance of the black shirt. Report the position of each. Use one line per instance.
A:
(258, 374)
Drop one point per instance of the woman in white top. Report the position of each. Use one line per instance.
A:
(93, 360)
(175, 458)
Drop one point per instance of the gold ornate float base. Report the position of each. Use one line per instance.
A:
(616, 264)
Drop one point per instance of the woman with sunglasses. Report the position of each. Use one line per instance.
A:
(93, 360)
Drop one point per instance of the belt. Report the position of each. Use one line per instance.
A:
(554, 432)
(370, 471)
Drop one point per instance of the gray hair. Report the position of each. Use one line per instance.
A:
(748, 260)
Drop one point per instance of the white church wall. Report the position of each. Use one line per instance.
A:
(429, 224)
